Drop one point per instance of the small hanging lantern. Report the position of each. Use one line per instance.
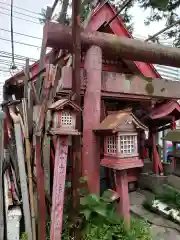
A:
(64, 117)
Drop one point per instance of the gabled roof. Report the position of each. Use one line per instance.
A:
(60, 104)
(103, 13)
(171, 108)
(113, 121)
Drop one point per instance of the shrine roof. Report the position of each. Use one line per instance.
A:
(61, 103)
(173, 136)
(171, 108)
(115, 119)
(103, 13)
(162, 114)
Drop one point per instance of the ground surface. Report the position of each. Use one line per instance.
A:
(161, 228)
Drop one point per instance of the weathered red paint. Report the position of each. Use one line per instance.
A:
(157, 165)
(122, 189)
(174, 144)
(132, 86)
(40, 192)
(120, 164)
(58, 187)
(91, 119)
(103, 13)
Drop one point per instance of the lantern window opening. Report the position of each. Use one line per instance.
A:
(128, 144)
(66, 119)
(111, 144)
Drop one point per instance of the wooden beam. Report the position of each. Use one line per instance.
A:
(60, 36)
(137, 85)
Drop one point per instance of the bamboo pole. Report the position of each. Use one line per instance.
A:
(60, 36)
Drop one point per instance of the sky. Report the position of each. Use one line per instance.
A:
(35, 29)
(21, 26)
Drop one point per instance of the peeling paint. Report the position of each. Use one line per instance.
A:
(149, 88)
(127, 83)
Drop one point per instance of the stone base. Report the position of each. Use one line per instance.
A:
(152, 182)
(168, 168)
(148, 166)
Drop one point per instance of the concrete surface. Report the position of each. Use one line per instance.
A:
(161, 228)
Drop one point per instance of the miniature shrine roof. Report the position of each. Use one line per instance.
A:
(170, 108)
(61, 103)
(104, 12)
(115, 119)
(162, 114)
(173, 136)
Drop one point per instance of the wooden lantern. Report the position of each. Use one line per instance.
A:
(120, 130)
(63, 125)
(64, 117)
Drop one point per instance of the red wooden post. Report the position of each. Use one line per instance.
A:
(122, 188)
(174, 144)
(58, 187)
(155, 160)
(91, 119)
(41, 192)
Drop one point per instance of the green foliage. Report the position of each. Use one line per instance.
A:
(99, 220)
(170, 196)
(148, 206)
(24, 236)
(139, 230)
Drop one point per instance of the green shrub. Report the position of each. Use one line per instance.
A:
(170, 196)
(101, 222)
(139, 230)
(24, 236)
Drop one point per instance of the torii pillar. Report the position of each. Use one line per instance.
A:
(91, 118)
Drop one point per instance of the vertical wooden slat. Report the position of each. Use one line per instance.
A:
(46, 153)
(23, 179)
(76, 88)
(58, 187)
(40, 192)
(28, 147)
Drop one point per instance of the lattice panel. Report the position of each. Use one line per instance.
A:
(128, 144)
(111, 144)
(66, 119)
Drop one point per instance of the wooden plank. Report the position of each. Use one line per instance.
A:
(122, 84)
(40, 192)
(22, 173)
(46, 153)
(58, 187)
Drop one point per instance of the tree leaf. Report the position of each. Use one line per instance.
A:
(162, 4)
(90, 200)
(83, 180)
(87, 213)
(67, 184)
